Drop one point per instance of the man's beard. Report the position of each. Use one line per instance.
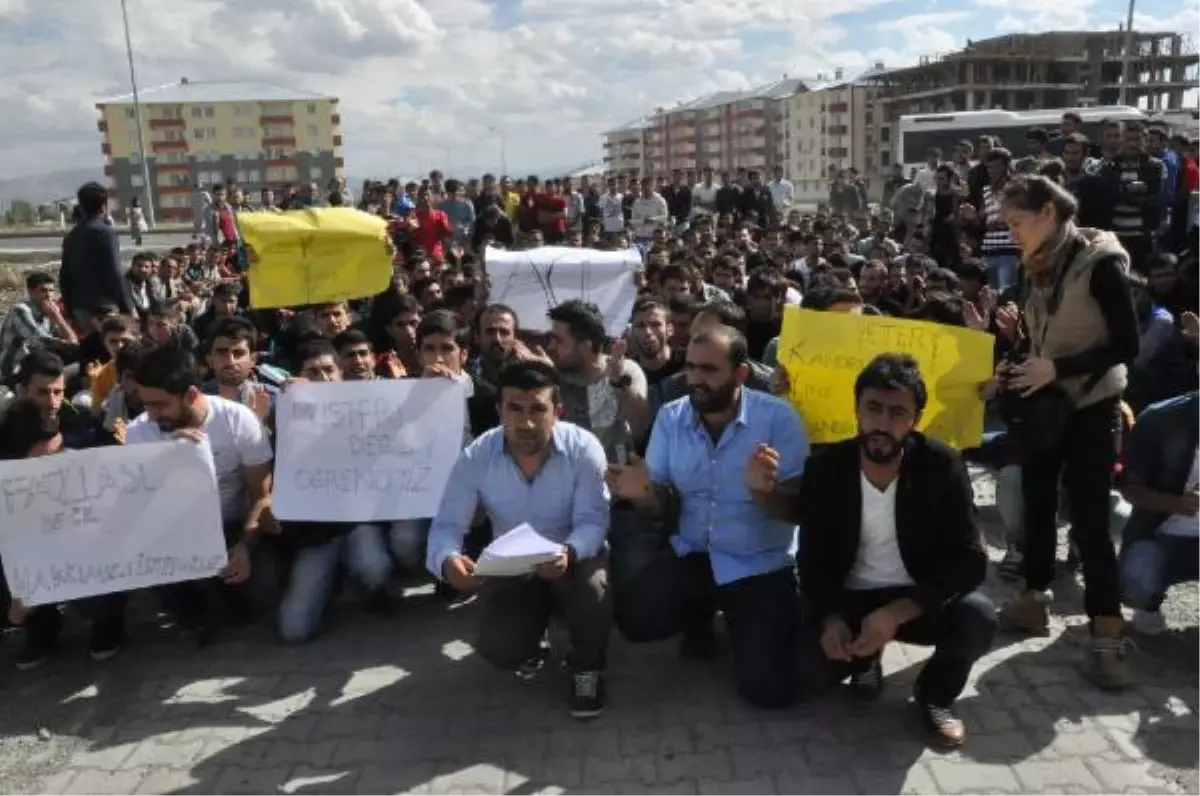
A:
(231, 378)
(708, 401)
(187, 419)
(880, 447)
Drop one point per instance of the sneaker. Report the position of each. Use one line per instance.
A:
(1149, 623)
(1012, 567)
(534, 665)
(105, 643)
(1110, 668)
(946, 728)
(1028, 614)
(587, 695)
(34, 652)
(867, 686)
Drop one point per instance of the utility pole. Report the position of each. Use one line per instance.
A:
(147, 186)
(1126, 55)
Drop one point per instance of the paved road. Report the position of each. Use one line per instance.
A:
(165, 240)
(401, 705)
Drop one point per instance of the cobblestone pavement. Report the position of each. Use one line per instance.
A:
(402, 705)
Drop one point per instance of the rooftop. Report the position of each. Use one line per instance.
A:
(776, 90)
(188, 91)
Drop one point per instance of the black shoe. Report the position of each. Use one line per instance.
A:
(867, 686)
(587, 695)
(105, 642)
(698, 646)
(379, 603)
(946, 728)
(534, 665)
(35, 651)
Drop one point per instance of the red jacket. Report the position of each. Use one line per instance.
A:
(433, 227)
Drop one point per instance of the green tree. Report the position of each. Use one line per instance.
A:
(21, 213)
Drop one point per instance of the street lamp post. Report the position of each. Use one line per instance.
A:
(1127, 54)
(503, 148)
(137, 116)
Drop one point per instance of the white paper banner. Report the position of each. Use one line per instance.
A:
(83, 523)
(533, 281)
(365, 451)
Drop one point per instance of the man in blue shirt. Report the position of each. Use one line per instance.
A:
(538, 470)
(727, 553)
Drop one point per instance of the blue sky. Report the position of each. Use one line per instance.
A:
(423, 82)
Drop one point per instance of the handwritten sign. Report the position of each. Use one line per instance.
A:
(315, 256)
(366, 451)
(533, 281)
(91, 522)
(823, 353)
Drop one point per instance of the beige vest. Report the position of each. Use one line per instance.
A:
(1077, 325)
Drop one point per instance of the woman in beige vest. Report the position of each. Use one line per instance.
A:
(1078, 333)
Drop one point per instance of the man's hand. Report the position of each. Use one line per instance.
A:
(1189, 503)
(436, 372)
(1189, 327)
(260, 402)
(878, 628)
(835, 639)
(1007, 318)
(553, 570)
(191, 434)
(616, 359)
(535, 354)
(391, 364)
(762, 470)
(459, 572)
(630, 481)
(238, 568)
(118, 430)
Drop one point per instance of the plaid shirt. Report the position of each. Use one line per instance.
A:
(24, 326)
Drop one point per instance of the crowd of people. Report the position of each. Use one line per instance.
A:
(668, 462)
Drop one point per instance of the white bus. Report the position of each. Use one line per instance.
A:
(916, 135)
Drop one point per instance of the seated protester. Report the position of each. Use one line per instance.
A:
(602, 392)
(163, 322)
(650, 340)
(168, 382)
(356, 357)
(548, 473)
(828, 299)
(123, 403)
(91, 346)
(230, 358)
(890, 550)
(496, 328)
(714, 313)
(37, 322)
(766, 291)
(1161, 480)
(42, 379)
(444, 347)
(223, 304)
(1164, 367)
(118, 332)
(727, 553)
(321, 547)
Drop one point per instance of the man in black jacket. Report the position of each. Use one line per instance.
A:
(889, 548)
(91, 272)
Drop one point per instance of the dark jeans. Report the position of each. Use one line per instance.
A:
(960, 634)
(106, 613)
(517, 611)
(1085, 461)
(673, 595)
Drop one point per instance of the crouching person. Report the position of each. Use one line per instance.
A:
(890, 550)
(538, 470)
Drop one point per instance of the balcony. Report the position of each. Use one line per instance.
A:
(838, 107)
(169, 146)
(839, 129)
(102, 126)
(106, 149)
(279, 140)
(281, 118)
(336, 118)
(339, 162)
(159, 124)
(839, 152)
(169, 190)
(337, 140)
(172, 167)
(109, 171)
(288, 161)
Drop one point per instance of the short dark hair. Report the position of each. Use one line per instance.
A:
(527, 376)
(233, 328)
(725, 311)
(92, 198)
(104, 309)
(443, 322)
(315, 348)
(36, 279)
(169, 367)
(161, 309)
(22, 426)
(739, 349)
(767, 279)
(352, 337)
(648, 304)
(584, 321)
(226, 289)
(893, 372)
(39, 363)
(974, 270)
(128, 357)
(685, 303)
(117, 324)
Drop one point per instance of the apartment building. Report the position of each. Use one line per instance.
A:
(727, 131)
(203, 133)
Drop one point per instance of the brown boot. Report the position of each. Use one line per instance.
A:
(1110, 649)
(1029, 613)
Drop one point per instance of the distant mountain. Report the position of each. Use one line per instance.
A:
(43, 188)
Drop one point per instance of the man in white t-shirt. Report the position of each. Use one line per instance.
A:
(612, 210)
(782, 192)
(168, 382)
(704, 195)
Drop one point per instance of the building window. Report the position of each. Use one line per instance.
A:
(198, 133)
(135, 158)
(209, 111)
(197, 112)
(136, 180)
(312, 107)
(253, 176)
(314, 172)
(241, 175)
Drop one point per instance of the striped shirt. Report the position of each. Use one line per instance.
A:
(1126, 216)
(997, 239)
(24, 328)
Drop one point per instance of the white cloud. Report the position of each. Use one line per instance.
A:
(418, 76)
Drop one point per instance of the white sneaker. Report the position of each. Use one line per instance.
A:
(1149, 623)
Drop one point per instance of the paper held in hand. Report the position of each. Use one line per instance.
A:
(516, 553)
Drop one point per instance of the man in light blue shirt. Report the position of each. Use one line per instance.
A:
(538, 470)
(728, 553)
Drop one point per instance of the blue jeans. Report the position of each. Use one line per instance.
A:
(1002, 270)
(363, 550)
(407, 540)
(1151, 566)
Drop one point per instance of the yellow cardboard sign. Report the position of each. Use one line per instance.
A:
(315, 256)
(824, 352)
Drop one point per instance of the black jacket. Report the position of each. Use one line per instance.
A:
(91, 272)
(939, 542)
(1101, 191)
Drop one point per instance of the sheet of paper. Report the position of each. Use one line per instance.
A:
(516, 553)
